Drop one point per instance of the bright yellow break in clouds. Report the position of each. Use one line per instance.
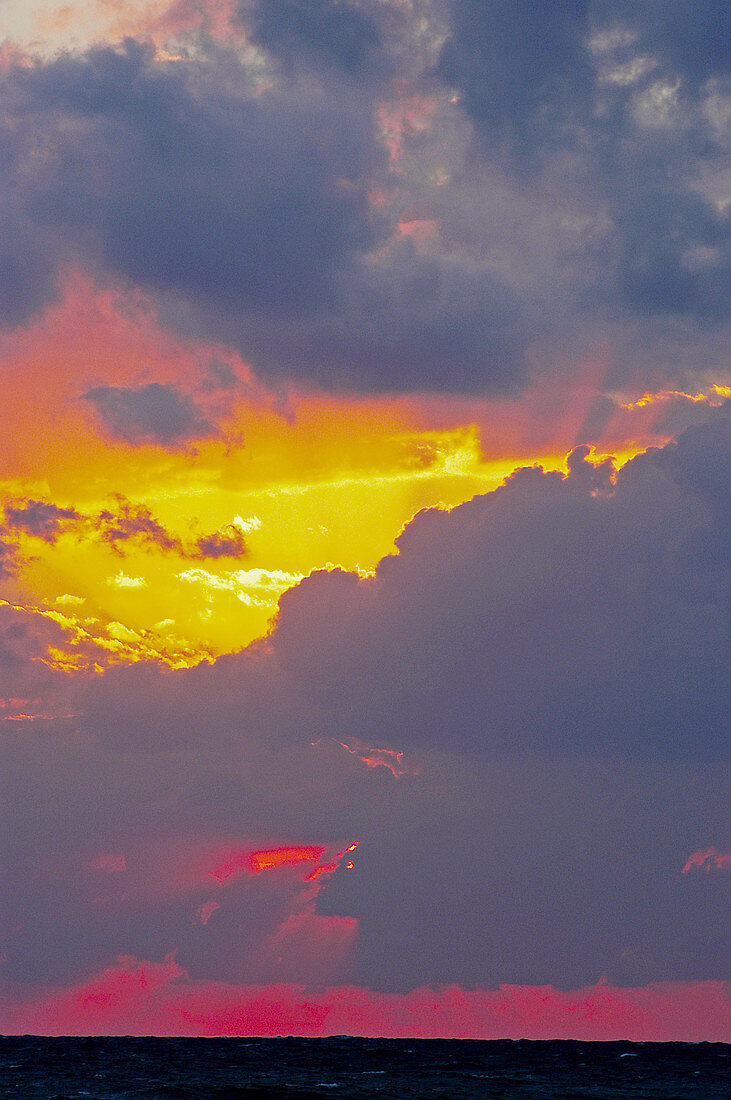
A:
(343, 509)
(307, 481)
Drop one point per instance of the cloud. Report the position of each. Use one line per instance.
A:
(616, 98)
(228, 543)
(39, 518)
(282, 254)
(219, 376)
(152, 413)
(8, 551)
(179, 202)
(138, 997)
(566, 161)
(128, 524)
(133, 523)
(523, 68)
(475, 632)
(26, 642)
(317, 34)
(708, 859)
(549, 658)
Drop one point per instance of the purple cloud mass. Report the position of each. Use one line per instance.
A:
(551, 655)
(570, 163)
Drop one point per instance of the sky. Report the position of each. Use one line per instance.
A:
(364, 498)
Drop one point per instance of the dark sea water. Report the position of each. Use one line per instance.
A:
(179, 1069)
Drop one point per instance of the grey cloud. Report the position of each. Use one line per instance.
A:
(317, 34)
(413, 322)
(183, 180)
(613, 99)
(548, 870)
(512, 596)
(8, 552)
(523, 67)
(685, 38)
(219, 376)
(25, 677)
(596, 476)
(566, 613)
(127, 523)
(152, 413)
(249, 216)
(578, 211)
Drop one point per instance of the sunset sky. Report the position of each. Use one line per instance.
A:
(364, 496)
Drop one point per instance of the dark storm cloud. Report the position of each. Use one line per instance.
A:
(182, 179)
(523, 67)
(317, 34)
(152, 413)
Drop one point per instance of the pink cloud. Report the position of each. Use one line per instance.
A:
(708, 859)
(147, 998)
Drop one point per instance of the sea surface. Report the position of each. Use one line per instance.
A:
(178, 1069)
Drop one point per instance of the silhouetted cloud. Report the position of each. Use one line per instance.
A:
(228, 543)
(152, 413)
(39, 518)
(127, 524)
(130, 522)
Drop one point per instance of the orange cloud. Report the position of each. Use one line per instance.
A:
(305, 857)
(375, 758)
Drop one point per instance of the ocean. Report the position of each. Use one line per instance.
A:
(179, 1069)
